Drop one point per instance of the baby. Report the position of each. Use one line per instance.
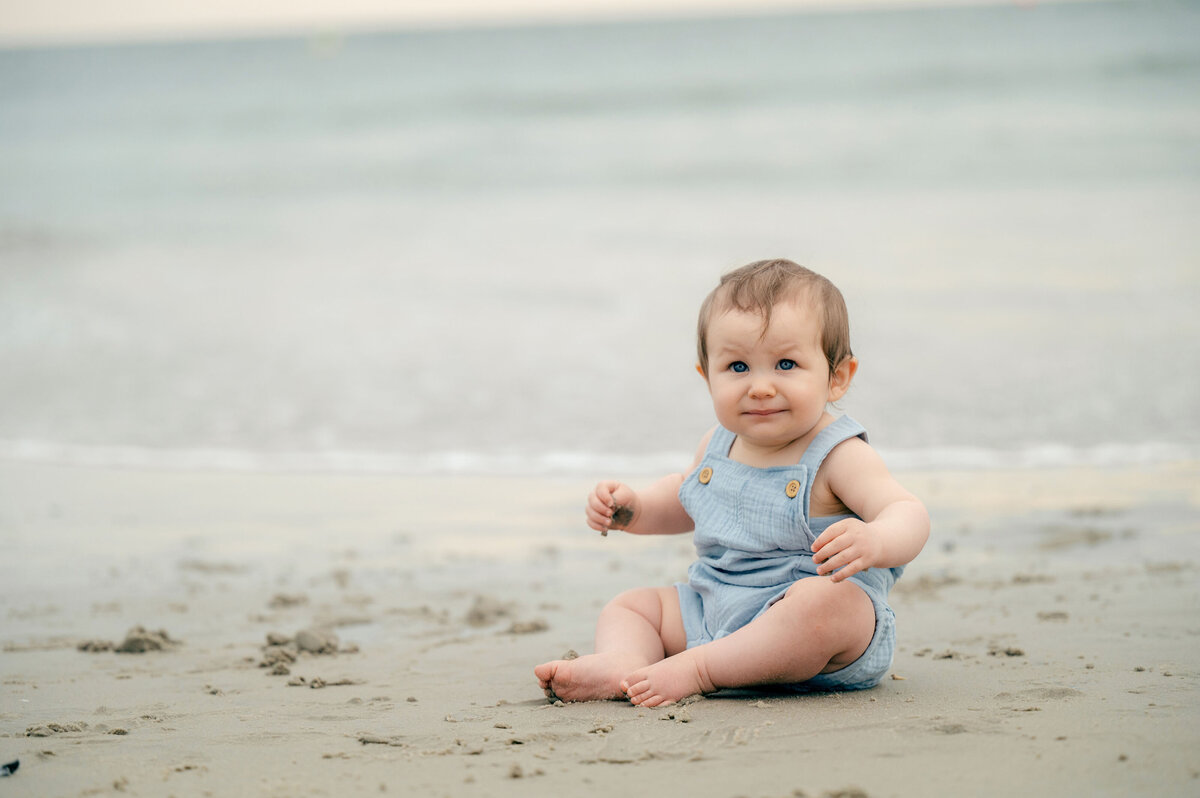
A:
(800, 530)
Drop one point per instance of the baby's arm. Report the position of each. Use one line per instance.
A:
(651, 511)
(894, 525)
(655, 510)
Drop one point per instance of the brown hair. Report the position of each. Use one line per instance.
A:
(760, 286)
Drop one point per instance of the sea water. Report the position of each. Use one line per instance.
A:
(483, 249)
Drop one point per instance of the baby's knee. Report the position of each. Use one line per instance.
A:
(837, 618)
(640, 599)
(826, 599)
(658, 605)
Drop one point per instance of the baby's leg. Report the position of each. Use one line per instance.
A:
(817, 627)
(635, 629)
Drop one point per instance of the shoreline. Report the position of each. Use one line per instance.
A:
(1047, 640)
(557, 465)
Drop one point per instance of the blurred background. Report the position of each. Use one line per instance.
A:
(460, 241)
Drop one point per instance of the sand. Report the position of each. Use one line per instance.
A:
(353, 635)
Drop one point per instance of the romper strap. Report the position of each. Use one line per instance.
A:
(842, 429)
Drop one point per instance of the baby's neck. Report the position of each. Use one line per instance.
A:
(769, 455)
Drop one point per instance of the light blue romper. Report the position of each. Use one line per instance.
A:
(754, 541)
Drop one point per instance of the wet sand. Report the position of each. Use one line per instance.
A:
(321, 635)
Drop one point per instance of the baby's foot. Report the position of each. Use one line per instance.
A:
(668, 681)
(594, 677)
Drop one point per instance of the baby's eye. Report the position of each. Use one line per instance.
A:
(786, 365)
(738, 367)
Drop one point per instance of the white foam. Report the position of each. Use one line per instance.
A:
(1108, 455)
(561, 463)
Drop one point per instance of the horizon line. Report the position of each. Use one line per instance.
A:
(49, 31)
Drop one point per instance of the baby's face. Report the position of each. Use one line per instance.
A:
(769, 389)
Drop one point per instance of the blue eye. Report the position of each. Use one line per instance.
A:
(786, 365)
(738, 367)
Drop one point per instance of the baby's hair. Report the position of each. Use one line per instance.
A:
(760, 286)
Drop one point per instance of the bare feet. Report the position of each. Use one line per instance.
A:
(668, 681)
(594, 677)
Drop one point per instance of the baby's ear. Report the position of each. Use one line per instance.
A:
(842, 376)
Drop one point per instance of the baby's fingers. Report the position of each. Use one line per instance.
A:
(600, 508)
(848, 570)
(600, 503)
(828, 536)
(605, 493)
(838, 570)
(599, 518)
(834, 555)
(825, 548)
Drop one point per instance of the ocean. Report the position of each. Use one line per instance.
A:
(482, 250)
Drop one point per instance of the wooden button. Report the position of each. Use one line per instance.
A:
(705, 475)
(792, 489)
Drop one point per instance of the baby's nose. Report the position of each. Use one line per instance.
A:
(762, 389)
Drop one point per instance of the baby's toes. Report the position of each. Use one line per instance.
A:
(648, 698)
(636, 691)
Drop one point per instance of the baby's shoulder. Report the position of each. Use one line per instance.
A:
(702, 448)
(847, 460)
(850, 457)
(850, 449)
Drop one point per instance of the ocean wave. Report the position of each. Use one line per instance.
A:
(569, 464)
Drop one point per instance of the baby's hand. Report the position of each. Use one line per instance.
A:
(846, 548)
(612, 505)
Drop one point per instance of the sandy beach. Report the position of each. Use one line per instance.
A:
(318, 321)
(353, 635)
